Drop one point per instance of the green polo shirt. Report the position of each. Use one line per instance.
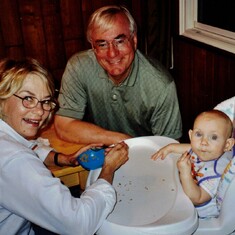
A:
(144, 104)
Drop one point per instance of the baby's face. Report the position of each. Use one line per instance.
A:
(209, 137)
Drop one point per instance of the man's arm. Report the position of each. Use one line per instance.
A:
(77, 131)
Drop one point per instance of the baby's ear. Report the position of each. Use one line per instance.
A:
(229, 144)
(190, 134)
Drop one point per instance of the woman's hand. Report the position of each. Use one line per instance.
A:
(71, 160)
(114, 158)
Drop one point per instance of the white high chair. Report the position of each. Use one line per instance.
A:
(150, 198)
(225, 223)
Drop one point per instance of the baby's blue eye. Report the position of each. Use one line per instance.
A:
(214, 137)
(198, 134)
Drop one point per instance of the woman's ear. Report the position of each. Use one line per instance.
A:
(229, 144)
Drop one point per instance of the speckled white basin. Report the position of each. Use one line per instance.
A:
(150, 199)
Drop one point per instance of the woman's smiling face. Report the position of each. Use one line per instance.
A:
(25, 121)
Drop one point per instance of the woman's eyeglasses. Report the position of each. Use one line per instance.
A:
(31, 102)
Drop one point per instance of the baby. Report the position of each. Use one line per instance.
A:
(203, 160)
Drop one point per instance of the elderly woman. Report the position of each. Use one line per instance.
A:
(29, 192)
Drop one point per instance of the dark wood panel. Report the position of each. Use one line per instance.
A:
(72, 19)
(53, 34)
(50, 30)
(2, 46)
(182, 73)
(204, 77)
(53, 30)
(73, 46)
(33, 30)
(10, 23)
(224, 78)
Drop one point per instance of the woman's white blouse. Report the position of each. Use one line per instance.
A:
(29, 192)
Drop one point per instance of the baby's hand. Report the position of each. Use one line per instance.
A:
(184, 164)
(171, 148)
(163, 152)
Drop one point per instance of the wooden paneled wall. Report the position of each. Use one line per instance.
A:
(205, 76)
(52, 30)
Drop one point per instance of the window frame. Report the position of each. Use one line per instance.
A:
(191, 28)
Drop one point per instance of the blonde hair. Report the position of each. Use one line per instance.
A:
(104, 18)
(13, 74)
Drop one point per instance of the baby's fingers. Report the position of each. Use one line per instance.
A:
(185, 156)
(157, 155)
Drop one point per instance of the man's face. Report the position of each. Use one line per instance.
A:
(115, 48)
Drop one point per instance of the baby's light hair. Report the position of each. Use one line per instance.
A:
(219, 114)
